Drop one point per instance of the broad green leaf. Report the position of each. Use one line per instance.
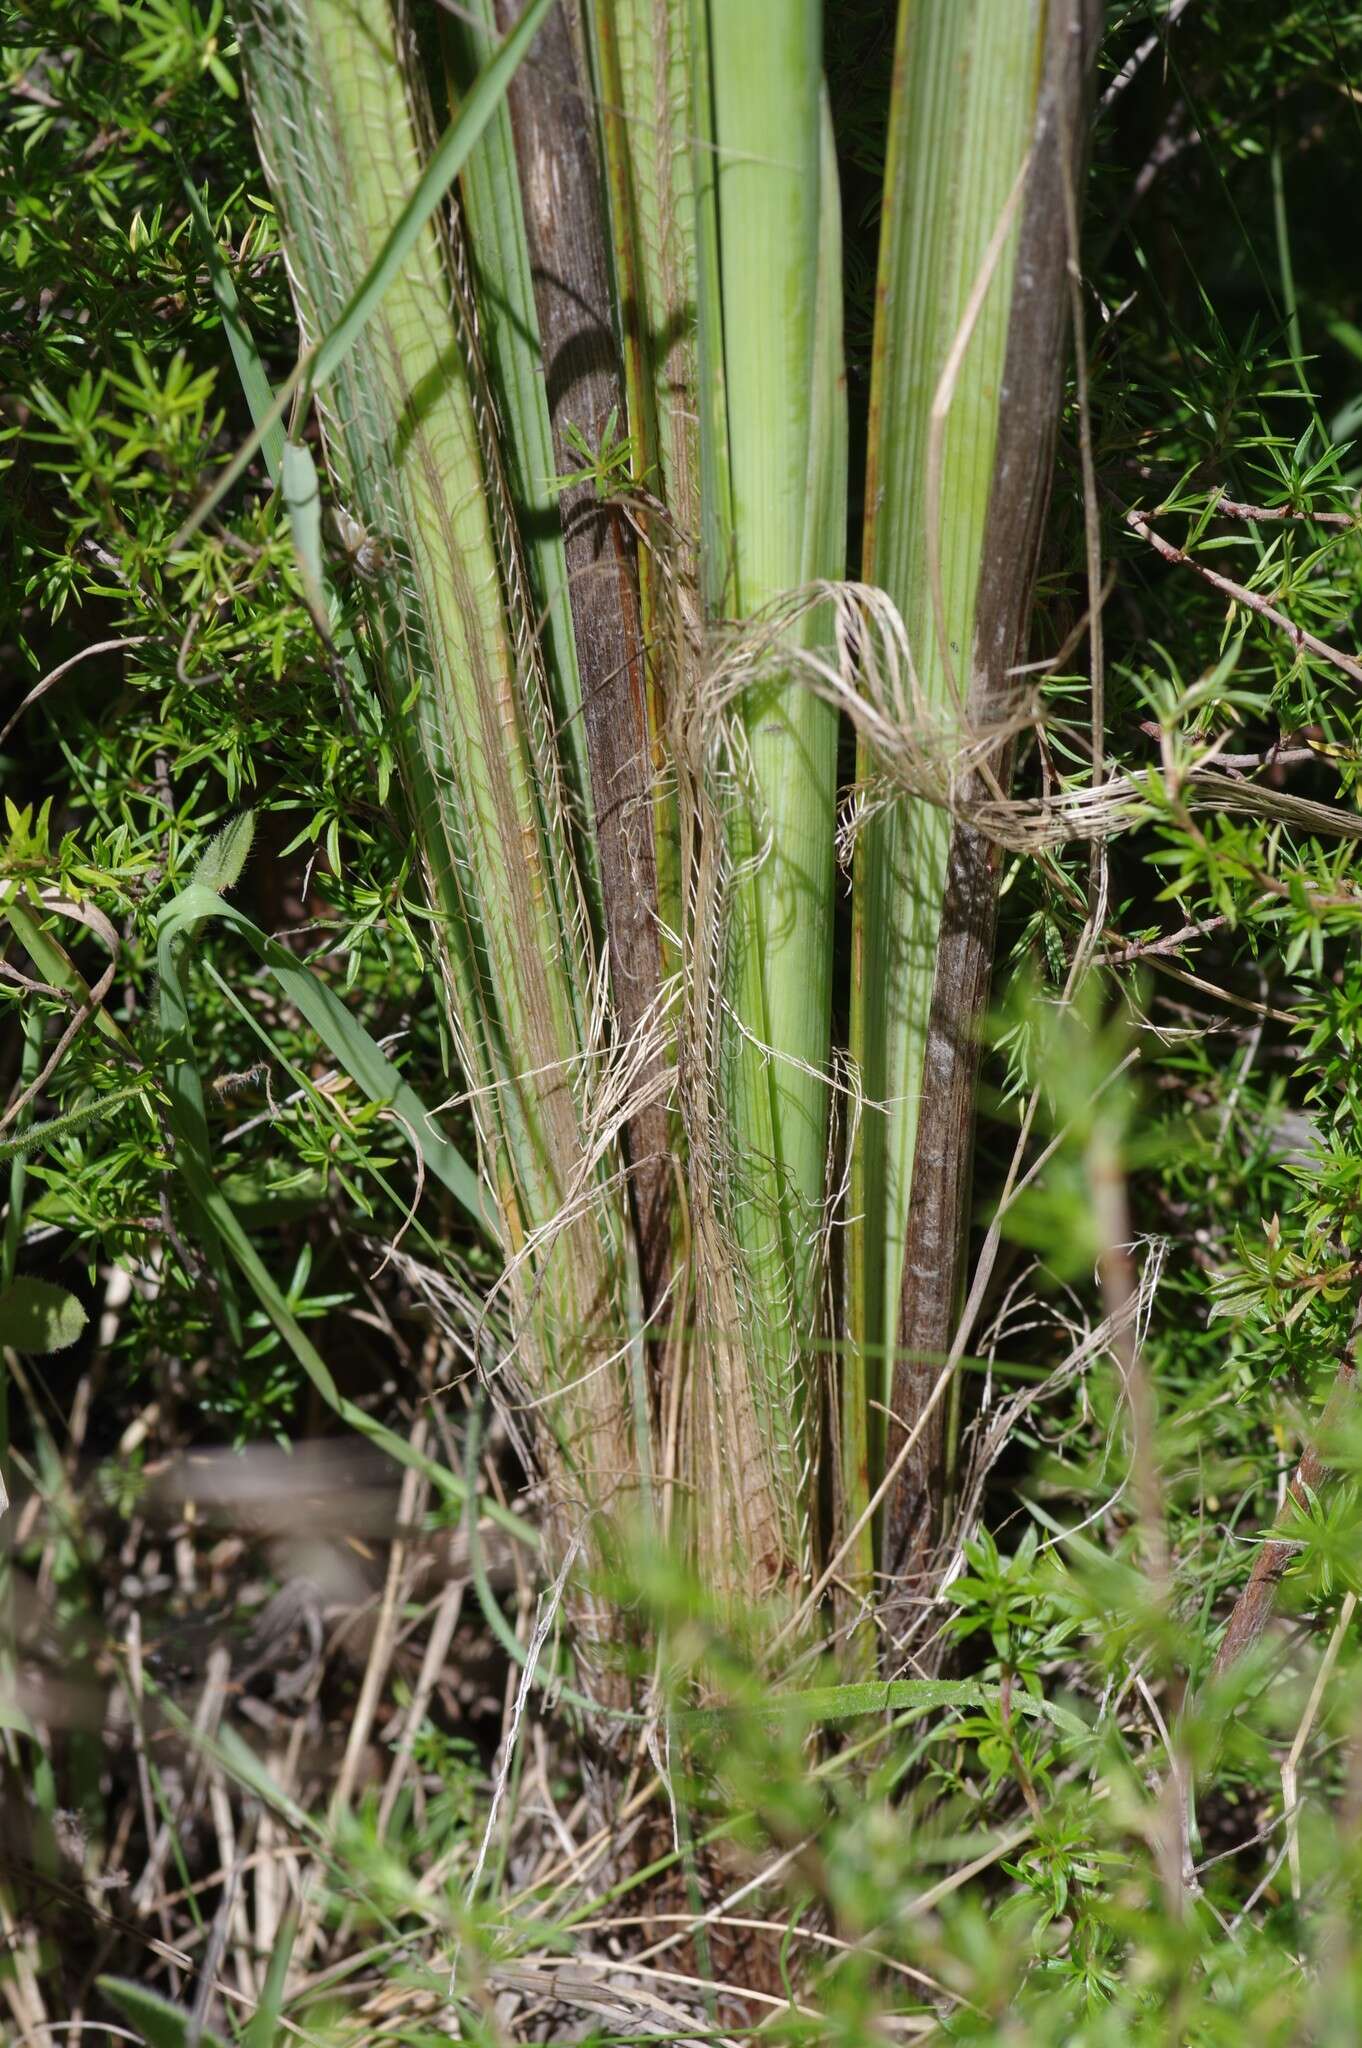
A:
(773, 447)
(220, 865)
(38, 1317)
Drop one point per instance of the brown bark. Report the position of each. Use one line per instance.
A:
(938, 1220)
(563, 200)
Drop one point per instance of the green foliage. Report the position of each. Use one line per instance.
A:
(205, 691)
(984, 1854)
(159, 2023)
(609, 467)
(37, 1317)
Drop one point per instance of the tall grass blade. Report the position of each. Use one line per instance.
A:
(264, 2027)
(967, 353)
(557, 239)
(772, 431)
(319, 363)
(233, 1247)
(414, 447)
(159, 2024)
(56, 966)
(475, 111)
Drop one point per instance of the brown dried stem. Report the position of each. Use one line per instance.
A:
(1232, 508)
(564, 216)
(1253, 1609)
(1250, 599)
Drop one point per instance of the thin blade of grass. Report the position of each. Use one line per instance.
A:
(218, 1213)
(301, 490)
(317, 366)
(348, 1043)
(262, 2030)
(185, 1112)
(413, 441)
(255, 384)
(159, 2024)
(56, 966)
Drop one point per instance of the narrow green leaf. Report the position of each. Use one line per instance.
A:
(349, 1044)
(234, 1755)
(301, 490)
(218, 1213)
(250, 370)
(895, 1696)
(818, 1704)
(257, 438)
(55, 965)
(184, 1092)
(264, 2025)
(226, 1242)
(450, 155)
(321, 363)
(11, 1236)
(160, 2024)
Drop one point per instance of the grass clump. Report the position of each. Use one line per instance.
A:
(455, 1585)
